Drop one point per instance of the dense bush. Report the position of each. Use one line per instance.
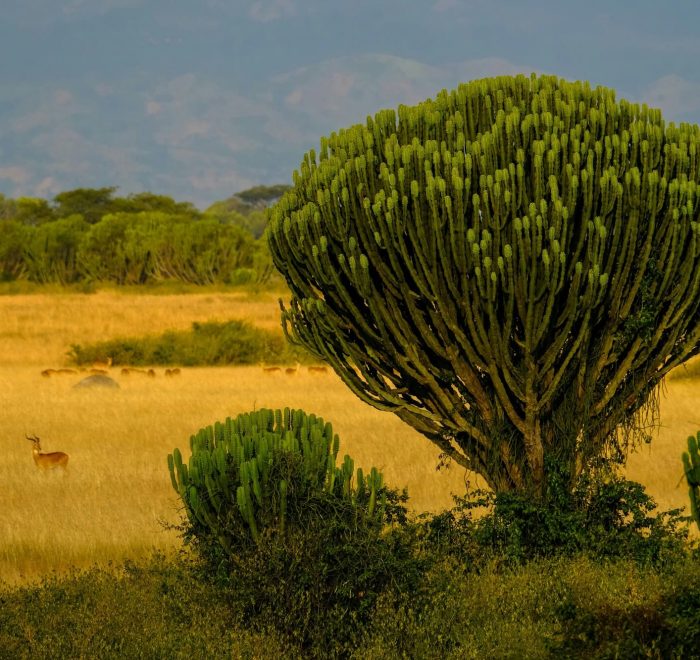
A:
(288, 532)
(90, 236)
(157, 610)
(606, 516)
(553, 608)
(209, 343)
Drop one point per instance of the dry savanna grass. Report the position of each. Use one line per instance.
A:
(112, 502)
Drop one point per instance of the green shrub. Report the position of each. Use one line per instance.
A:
(289, 532)
(605, 516)
(549, 608)
(155, 610)
(209, 343)
(552, 608)
(691, 466)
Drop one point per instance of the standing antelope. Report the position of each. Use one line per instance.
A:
(49, 460)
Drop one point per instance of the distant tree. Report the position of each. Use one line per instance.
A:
(119, 247)
(264, 195)
(13, 237)
(51, 250)
(246, 209)
(7, 208)
(27, 210)
(147, 201)
(91, 203)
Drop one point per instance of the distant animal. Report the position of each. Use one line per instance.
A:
(57, 372)
(318, 370)
(272, 370)
(49, 460)
(172, 372)
(143, 372)
(292, 371)
(102, 365)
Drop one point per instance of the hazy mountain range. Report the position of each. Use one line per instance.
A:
(200, 99)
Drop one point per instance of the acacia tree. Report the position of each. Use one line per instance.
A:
(511, 268)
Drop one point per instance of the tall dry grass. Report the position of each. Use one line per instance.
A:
(117, 494)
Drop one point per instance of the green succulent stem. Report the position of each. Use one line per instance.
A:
(691, 465)
(511, 268)
(243, 474)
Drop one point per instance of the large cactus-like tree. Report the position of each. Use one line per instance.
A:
(510, 268)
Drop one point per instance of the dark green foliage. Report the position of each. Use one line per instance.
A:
(263, 194)
(556, 608)
(511, 268)
(89, 235)
(603, 517)
(319, 583)
(26, 210)
(13, 239)
(51, 250)
(158, 610)
(146, 247)
(90, 203)
(691, 465)
(288, 532)
(246, 209)
(208, 343)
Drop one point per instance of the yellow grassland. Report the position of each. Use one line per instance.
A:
(111, 504)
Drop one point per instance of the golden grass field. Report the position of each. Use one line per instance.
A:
(117, 492)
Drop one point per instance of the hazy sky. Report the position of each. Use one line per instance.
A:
(199, 99)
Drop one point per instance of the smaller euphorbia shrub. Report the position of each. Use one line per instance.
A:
(291, 533)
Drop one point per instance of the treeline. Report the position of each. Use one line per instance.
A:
(91, 235)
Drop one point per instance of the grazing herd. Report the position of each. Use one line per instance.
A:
(50, 460)
(293, 371)
(99, 370)
(102, 368)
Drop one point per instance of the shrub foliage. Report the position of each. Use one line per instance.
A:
(289, 532)
(208, 343)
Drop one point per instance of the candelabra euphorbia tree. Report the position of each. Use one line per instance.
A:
(511, 268)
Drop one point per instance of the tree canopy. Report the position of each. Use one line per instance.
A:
(511, 268)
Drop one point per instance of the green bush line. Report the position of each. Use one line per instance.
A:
(210, 343)
(88, 235)
(132, 248)
(573, 608)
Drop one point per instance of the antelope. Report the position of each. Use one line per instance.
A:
(49, 460)
(272, 370)
(172, 372)
(57, 372)
(132, 370)
(292, 371)
(318, 370)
